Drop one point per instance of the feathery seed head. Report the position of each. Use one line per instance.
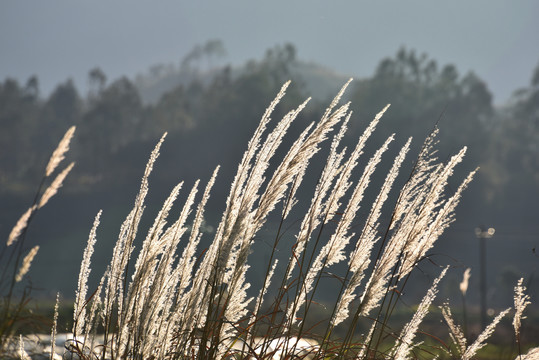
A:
(55, 185)
(464, 283)
(26, 262)
(521, 301)
(22, 223)
(58, 154)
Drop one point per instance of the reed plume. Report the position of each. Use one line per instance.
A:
(26, 262)
(174, 304)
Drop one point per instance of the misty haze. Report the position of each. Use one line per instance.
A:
(209, 95)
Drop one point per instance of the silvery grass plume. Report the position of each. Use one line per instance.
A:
(20, 225)
(459, 340)
(54, 326)
(79, 311)
(521, 301)
(458, 337)
(59, 154)
(408, 333)
(333, 251)
(487, 332)
(56, 158)
(23, 355)
(360, 257)
(463, 286)
(13, 305)
(26, 262)
(532, 354)
(55, 185)
(172, 304)
(455, 331)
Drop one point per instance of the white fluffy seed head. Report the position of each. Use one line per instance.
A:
(59, 154)
(22, 223)
(463, 286)
(521, 301)
(26, 263)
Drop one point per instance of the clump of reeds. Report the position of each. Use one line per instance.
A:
(13, 306)
(176, 301)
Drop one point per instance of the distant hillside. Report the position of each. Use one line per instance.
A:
(321, 81)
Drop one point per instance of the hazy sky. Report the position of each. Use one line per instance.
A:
(57, 40)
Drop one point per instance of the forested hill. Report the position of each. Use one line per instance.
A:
(210, 111)
(321, 81)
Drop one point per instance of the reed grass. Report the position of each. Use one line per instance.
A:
(15, 295)
(176, 301)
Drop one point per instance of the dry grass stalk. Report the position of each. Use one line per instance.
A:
(175, 307)
(55, 185)
(409, 331)
(455, 331)
(14, 305)
(59, 154)
(26, 263)
(54, 326)
(22, 223)
(463, 286)
(521, 302)
(532, 354)
(480, 341)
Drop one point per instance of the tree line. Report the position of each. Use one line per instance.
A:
(210, 117)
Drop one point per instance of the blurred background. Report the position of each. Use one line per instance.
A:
(125, 72)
